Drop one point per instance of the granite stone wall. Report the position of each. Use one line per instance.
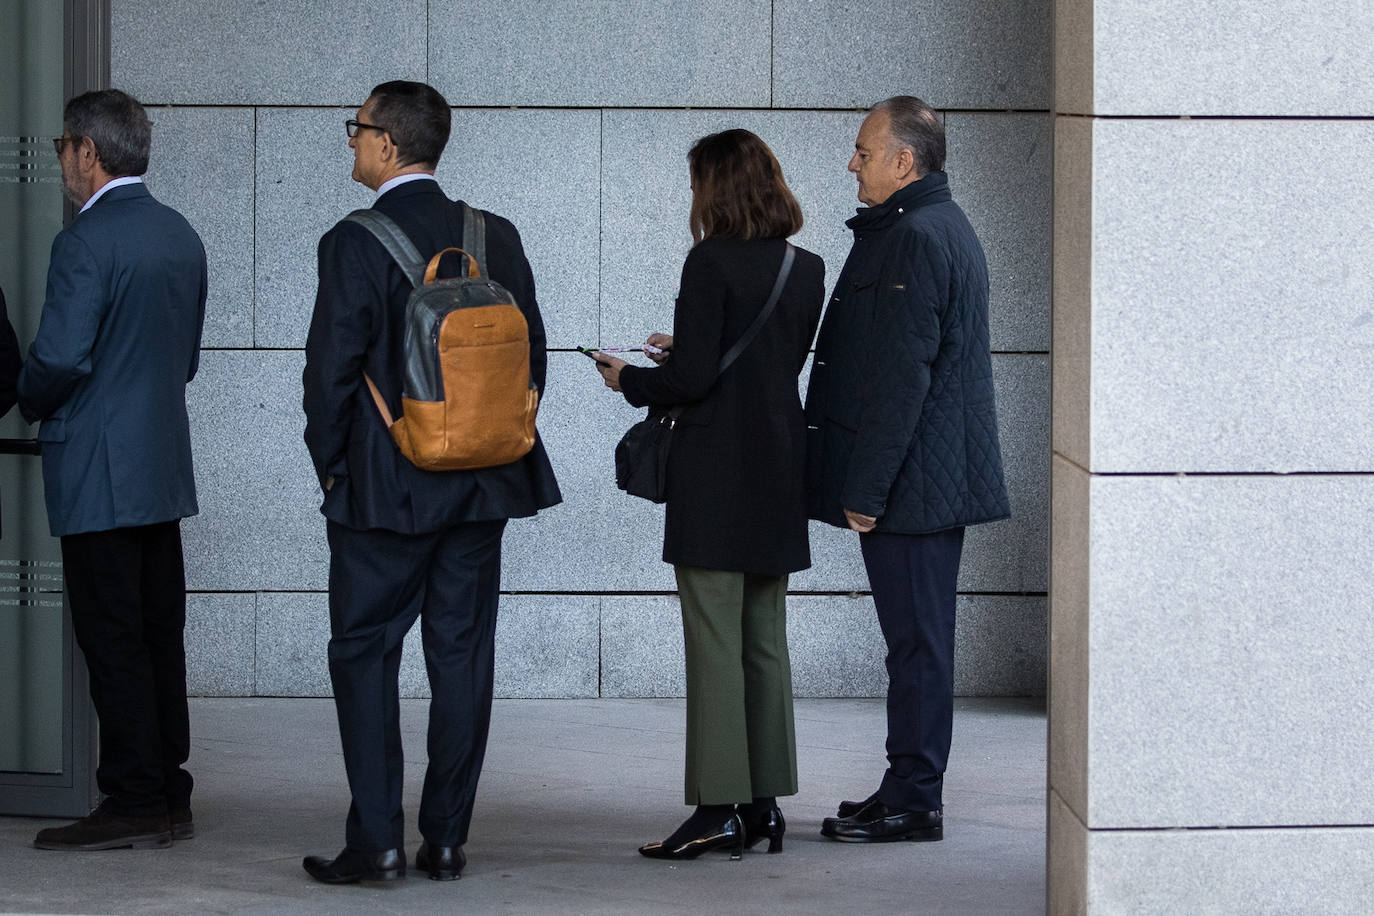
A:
(574, 119)
(1213, 466)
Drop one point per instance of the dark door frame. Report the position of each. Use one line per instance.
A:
(87, 46)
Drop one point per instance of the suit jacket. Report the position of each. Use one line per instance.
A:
(117, 343)
(9, 360)
(357, 326)
(737, 468)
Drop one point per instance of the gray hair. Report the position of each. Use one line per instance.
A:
(917, 127)
(117, 125)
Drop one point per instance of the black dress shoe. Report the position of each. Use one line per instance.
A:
(444, 863)
(767, 824)
(354, 865)
(877, 823)
(183, 823)
(727, 835)
(849, 808)
(104, 828)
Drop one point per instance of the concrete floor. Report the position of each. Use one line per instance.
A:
(570, 789)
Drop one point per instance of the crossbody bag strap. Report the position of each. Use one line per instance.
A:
(733, 353)
(395, 241)
(475, 237)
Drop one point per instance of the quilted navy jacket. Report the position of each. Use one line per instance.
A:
(900, 412)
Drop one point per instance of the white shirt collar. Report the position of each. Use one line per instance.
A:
(400, 180)
(109, 186)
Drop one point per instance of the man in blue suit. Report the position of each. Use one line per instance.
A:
(117, 343)
(10, 360)
(406, 543)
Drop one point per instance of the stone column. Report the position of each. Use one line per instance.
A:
(1212, 584)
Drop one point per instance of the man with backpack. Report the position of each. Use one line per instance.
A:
(406, 541)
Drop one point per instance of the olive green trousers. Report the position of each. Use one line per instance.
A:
(741, 741)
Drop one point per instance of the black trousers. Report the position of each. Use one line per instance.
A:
(127, 592)
(914, 578)
(379, 582)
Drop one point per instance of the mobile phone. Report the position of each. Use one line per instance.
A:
(590, 353)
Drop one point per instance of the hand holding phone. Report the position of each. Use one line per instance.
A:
(610, 371)
(591, 354)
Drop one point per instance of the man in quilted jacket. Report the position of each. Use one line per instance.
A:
(902, 441)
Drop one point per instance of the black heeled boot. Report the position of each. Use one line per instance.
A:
(709, 827)
(763, 819)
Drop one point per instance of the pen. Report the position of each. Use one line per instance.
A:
(645, 348)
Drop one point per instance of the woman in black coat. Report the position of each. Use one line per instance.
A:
(736, 485)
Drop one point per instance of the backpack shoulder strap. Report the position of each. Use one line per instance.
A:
(475, 236)
(403, 251)
(394, 241)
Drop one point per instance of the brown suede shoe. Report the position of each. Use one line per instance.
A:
(104, 829)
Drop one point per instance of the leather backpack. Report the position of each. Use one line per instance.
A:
(467, 400)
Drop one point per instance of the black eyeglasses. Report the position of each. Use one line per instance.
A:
(59, 142)
(351, 127)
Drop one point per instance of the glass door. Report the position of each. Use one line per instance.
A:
(47, 729)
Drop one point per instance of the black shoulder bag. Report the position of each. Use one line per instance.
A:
(641, 456)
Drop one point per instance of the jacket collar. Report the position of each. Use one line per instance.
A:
(119, 192)
(409, 188)
(932, 189)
